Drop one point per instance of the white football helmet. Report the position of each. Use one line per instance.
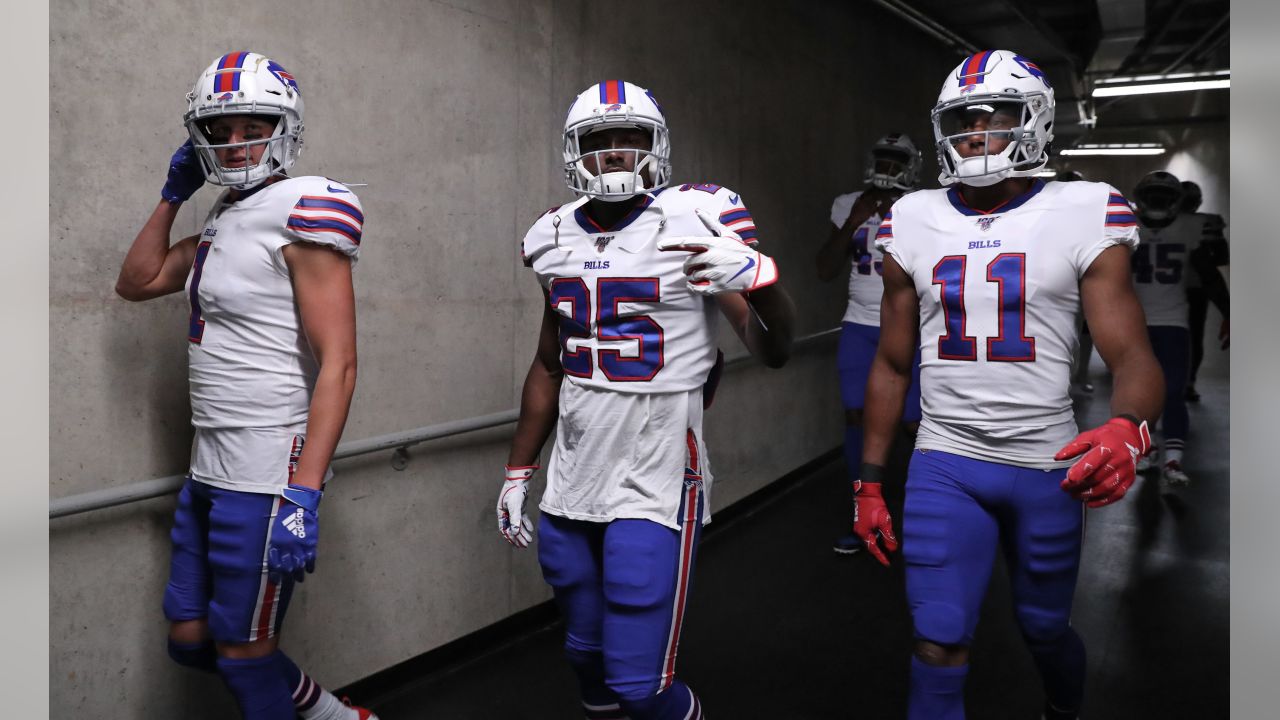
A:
(1158, 196)
(614, 104)
(893, 163)
(994, 81)
(246, 83)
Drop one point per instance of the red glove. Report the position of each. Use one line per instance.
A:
(871, 516)
(1110, 461)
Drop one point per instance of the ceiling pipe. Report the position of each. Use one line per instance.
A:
(1204, 40)
(928, 25)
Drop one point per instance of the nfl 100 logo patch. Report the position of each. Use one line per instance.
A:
(984, 223)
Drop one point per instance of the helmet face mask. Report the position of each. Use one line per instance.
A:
(893, 163)
(607, 106)
(1158, 196)
(1005, 101)
(239, 84)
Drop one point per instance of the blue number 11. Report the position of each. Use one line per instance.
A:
(1009, 272)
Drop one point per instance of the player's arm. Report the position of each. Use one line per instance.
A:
(153, 267)
(1119, 330)
(1108, 454)
(1205, 260)
(839, 245)
(539, 400)
(539, 408)
(323, 291)
(890, 374)
(764, 320)
(887, 385)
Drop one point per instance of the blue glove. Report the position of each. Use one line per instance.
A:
(185, 174)
(294, 532)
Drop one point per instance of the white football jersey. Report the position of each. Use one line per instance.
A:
(865, 283)
(999, 296)
(629, 327)
(1162, 267)
(249, 361)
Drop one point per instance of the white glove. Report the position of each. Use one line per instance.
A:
(512, 522)
(722, 263)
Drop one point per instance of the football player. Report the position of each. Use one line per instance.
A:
(1214, 243)
(1172, 251)
(991, 272)
(635, 275)
(272, 357)
(893, 167)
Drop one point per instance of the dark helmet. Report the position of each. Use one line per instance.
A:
(1191, 196)
(1158, 196)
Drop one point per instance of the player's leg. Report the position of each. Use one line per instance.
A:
(186, 596)
(648, 569)
(1042, 536)
(1197, 313)
(1172, 349)
(570, 554)
(948, 543)
(247, 611)
(854, 354)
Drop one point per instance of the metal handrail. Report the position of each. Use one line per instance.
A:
(399, 441)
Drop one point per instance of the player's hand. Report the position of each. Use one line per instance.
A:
(886, 203)
(185, 175)
(1109, 463)
(1224, 334)
(871, 520)
(722, 262)
(512, 522)
(865, 206)
(292, 543)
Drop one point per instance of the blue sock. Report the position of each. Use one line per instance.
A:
(201, 655)
(259, 687)
(309, 699)
(853, 450)
(937, 693)
(598, 701)
(677, 702)
(1062, 668)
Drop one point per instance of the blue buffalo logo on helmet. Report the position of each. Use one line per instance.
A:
(283, 76)
(1032, 68)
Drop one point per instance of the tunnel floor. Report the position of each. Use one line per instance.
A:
(781, 627)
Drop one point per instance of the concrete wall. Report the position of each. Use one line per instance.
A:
(451, 113)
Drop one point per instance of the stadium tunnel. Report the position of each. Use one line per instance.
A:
(448, 115)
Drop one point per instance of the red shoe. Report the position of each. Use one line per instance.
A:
(361, 713)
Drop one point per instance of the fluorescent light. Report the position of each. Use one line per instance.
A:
(1166, 87)
(1211, 74)
(1116, 149)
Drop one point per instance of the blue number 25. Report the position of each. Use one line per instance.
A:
(608, 323)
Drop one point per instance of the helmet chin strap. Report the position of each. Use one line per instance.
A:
(981, 179)
(617, 186)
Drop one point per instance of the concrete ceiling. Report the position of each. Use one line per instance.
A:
(1078, 42)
